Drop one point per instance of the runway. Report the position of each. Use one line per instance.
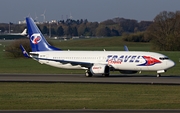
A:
(80, 78)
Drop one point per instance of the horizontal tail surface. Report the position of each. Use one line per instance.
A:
(37, 40)
(24, 52)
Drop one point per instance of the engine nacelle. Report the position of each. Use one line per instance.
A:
(127, 72)
(99, 69)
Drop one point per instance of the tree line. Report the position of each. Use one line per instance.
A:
(163, 32)
(108, 28)
(111, 27)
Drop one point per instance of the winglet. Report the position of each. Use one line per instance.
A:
(126, 48)
(24, 52)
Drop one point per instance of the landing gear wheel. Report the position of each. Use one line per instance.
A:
(158, 75)
(88, 73)
(106, 72)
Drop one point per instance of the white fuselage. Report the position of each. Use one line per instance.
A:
(119, 60)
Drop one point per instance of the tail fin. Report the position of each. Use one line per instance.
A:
(24, 32)
(37, 40)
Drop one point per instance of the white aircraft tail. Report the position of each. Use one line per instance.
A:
(24, 32)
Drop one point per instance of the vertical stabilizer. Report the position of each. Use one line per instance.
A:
(24, 32)
(37, 40)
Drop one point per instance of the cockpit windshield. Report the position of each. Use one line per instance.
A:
(163, 58)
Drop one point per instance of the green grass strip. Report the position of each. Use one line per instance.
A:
(22, 96)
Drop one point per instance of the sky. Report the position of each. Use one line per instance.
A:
(92, 10)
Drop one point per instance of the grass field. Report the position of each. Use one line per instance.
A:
(91, 96)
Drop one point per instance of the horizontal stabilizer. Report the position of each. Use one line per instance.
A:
(24, 52)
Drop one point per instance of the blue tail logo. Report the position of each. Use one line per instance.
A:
(37, 40)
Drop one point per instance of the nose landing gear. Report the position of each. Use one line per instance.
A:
(158, 75)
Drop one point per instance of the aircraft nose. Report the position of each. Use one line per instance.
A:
(171, 64)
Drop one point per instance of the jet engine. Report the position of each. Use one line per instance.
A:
(100, 69)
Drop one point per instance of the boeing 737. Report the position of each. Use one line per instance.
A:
(94, 62)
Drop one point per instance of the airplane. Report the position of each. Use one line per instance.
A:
(24, 33)
(93, 62)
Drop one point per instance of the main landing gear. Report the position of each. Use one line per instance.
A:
(88, 73)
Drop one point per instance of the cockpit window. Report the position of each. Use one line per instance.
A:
(163, 58)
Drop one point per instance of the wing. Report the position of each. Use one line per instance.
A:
(74, 63)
